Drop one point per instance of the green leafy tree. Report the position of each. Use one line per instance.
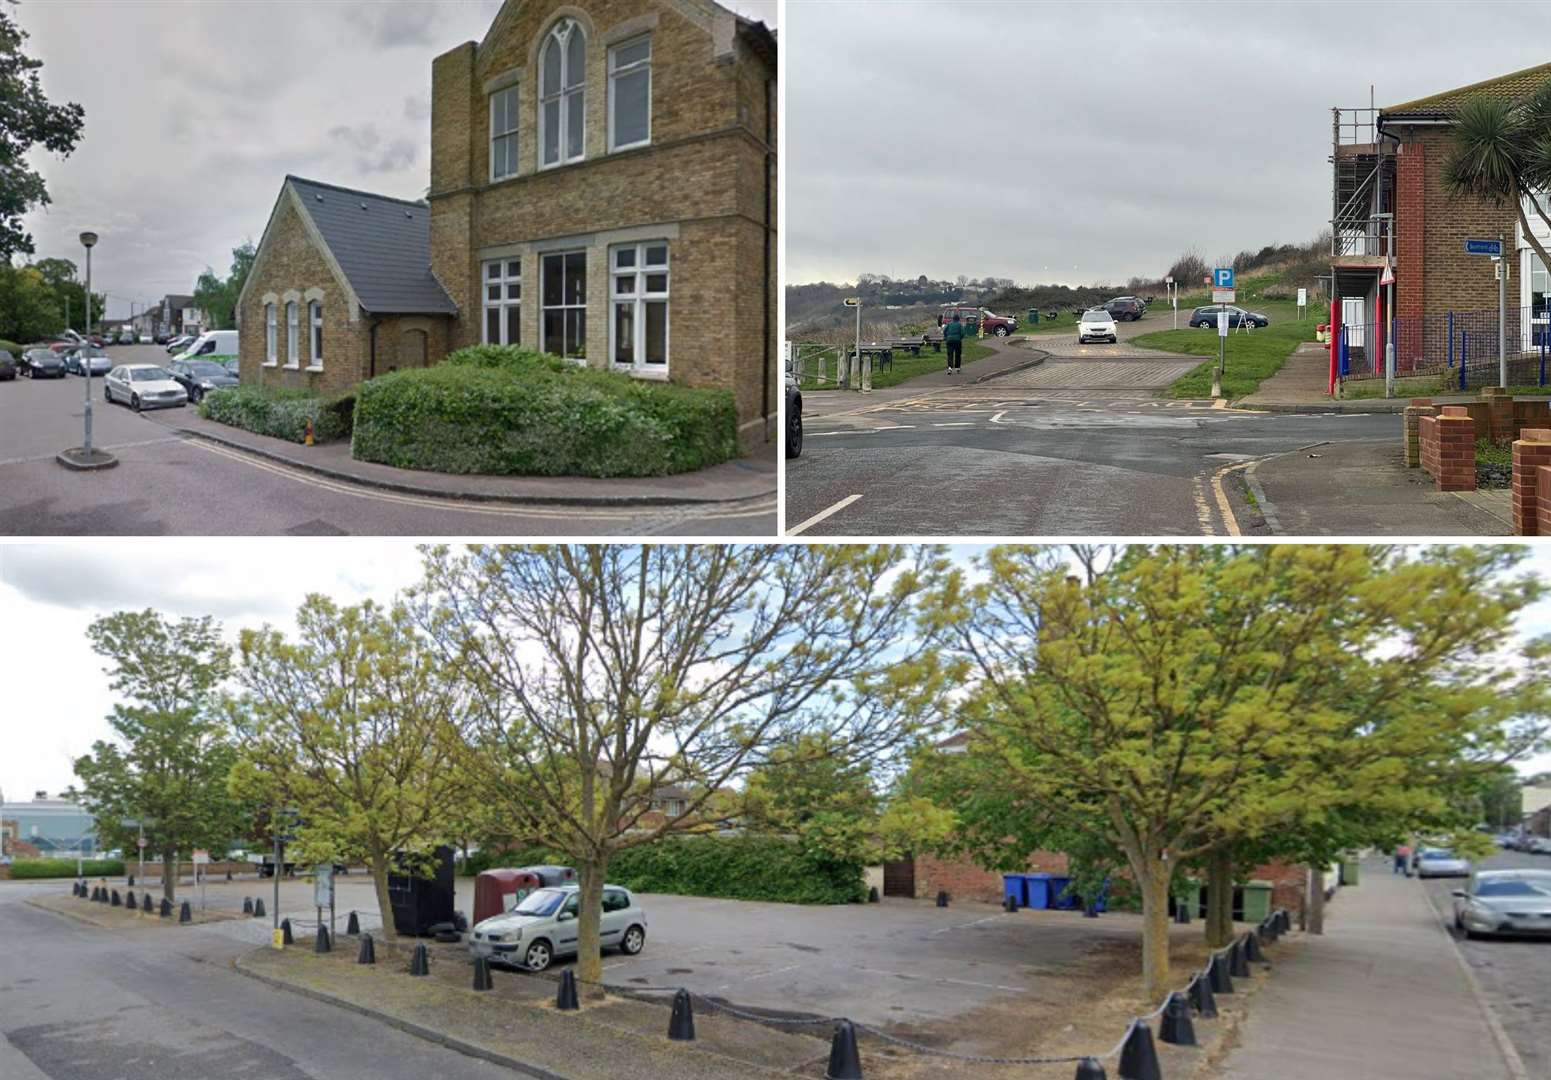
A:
(354, 726)
(27, 308)
(824, 797)
(217, 296)
(166, 767)
(601, 674)
(27, 120)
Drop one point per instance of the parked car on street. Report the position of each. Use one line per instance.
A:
(1504, 902)
(1096, 324)
(126, 337)
(181, 342)
(143, 386)
(793, 417)
(211, 343)
(145, 339)
(1206, 317)
(1125, 307)
(1441, 862)
(38, 363)
(7, 366)
(992, 323)
(78, 358)
(544, 926)
(199, 377)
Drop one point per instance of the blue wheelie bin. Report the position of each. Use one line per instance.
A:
(1040, 893)
(1014, 886)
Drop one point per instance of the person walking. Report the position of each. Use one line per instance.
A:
(1402, 854)
(953, 338)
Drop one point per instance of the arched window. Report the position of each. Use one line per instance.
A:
(562, 94)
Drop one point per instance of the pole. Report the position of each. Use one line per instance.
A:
(276, 912)
(86, 360)
(859, 337)
(1502, 314)
(140, 843)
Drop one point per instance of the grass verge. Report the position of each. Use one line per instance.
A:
(1250, 357)
(906, 367)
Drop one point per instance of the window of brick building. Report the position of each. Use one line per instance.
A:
(315, 323)
(503, 133)
(638, 297)
(630, 94)
(293, 348)
(563, 299)
(562, 95)
(503, 302)
(269, 334)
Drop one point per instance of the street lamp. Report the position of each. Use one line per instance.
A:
(84, 457)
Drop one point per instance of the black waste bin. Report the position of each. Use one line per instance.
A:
(419, 903)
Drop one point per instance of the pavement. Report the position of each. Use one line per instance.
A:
(1383, 994)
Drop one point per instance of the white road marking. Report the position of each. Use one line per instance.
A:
(822, 514)
(939, 979)
(965, 926)
(1203, 511)
(777, 971)
(957, 423)
(997, 419)
(816, 434)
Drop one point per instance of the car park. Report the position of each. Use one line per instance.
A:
(1441, 862)
(143, 386)
(1206, 317)
(199, 377)
(7, 366)
(78, 359)
(793, 417)
(1096, 324)
(41, 363)
(1125, 307)
(544, 927)
(1504, 902)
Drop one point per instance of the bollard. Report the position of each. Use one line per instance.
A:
(1176, 1026)
(117, 900)
(368, 953)
(321, 943)
(1202, 998)
(481, 971)
(1252, 950)
(420, 961)
(681, 1025)
(186, 914)
(1010, 904)
(942, 897)
(129, 899)
(228, 873)
(1138, 1056)
(247, 905)
(258, 908)
(75, 888)
(285, 933)
(1089, 1069)
(166, 908)
(353, 927)
(1217, 973)
(1238, 965)
(565, 997)
(145, 903)
(131, 882)
(844, 1062)
(872, 894)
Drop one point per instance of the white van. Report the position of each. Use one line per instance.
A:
(211, 343)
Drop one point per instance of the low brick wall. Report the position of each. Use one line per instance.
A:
(1543, 501)
(1410, 435)
(1448, 448)
(1531, 499)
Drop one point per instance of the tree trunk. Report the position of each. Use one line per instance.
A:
(1219, 900)
(1316, 900)
(589, 945)
(1153, 881)
(170, 875)
(379, 865)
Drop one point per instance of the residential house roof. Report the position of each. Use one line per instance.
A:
(178, 301)
(1514, 86)
(382, 245)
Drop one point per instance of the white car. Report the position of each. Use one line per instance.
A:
(1441, 862)
(143, 386)
(544, 925)
(1096, 325)
(145, 339)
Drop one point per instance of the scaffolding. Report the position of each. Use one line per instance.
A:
(1362, 219)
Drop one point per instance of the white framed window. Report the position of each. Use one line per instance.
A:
(563, 95)
(315, 327)
(630, 94)
(563, 300)
(638, 302)
(269, 334)
(503, 133)
(503, 302)
(293, 348)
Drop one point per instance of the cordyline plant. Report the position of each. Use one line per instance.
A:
(599, 675)
(1177, 702)
(1502, 153)
(354, 727)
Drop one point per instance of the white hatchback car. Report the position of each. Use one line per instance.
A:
(1096, 325)
(544, 926)
(143, 386)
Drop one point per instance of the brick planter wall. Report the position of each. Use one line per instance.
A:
(1531, 455)
(1543, 500)
(1410, 435)
(1448, 448)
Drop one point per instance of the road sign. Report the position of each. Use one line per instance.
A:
(1222, 277)
(1222, 324)
(853, 301)
(201, 857)
(323, 885)
(1484, 247)
(1169, 280)
(1303, 297)
(140, 842)
(1388, 277)
(1223, 296)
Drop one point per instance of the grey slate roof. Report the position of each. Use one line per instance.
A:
(383, 245)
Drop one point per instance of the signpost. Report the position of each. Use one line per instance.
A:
(1222, 295)
(844, 380)
(201, 858)
(1494, 248)
(323, 892)
(1173, 290)
(1303, 303)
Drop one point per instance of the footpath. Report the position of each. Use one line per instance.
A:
(1382, 994)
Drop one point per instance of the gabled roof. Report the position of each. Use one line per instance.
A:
(1515, 86)
(382, 246)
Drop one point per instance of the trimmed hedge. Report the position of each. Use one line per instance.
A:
(65, 868)
(281, 412)
(507, 411)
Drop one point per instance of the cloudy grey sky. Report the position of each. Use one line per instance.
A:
(196, 110)
(1078, 143)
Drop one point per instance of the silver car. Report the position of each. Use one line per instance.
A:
(143, 386)
(544, 926)
(1441, 862)
(1504, 902)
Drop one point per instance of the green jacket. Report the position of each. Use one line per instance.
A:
(953, 331)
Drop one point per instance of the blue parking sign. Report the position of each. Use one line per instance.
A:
(1222, 277)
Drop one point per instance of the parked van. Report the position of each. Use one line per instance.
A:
(211, 343)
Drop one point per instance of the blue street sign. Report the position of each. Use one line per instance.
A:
(1222, 277)
(1484, 247)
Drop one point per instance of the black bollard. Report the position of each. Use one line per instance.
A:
(1182, 913)
(166, 908)
(368, 953)
(481, 973)
(1139, 1057)
(228, 874)
(872, 894)
(131, 882)
(942, 897)
(420, 961)
(117, 900)
(145, 903)
(1252, 951)
(1238, 966)
(321, 943)
(353, 927)
(285, 933)
(1217, 973)
(247, 905)
(1090, 1069)
(844, 1062)
(681, 1025)
(1010, 904)
(129, 899)
(1202, 998)
(258, 908)
(75, 888)
(565, 997)
(186, 914)
(1176, 1026)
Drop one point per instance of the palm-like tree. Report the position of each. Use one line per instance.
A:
(1502, 153)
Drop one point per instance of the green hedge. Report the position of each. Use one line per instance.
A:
(508, 411)
(65, 868)
(280, 412)
(13, 348)
(747, 867)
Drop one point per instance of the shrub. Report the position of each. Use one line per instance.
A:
(13, 348)
(281, 412)
(65, 868)
(509, 411)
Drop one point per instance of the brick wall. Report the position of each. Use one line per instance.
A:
(1531, 456)
(1448, 448)
(1409, 436)
(1410, 228)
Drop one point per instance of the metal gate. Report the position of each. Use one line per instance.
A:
(899, 877)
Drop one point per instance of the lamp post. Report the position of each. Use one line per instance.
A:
(88, 241)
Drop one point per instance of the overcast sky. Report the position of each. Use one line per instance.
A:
(195, 112)
(1079, 143)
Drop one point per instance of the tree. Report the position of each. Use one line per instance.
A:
(167, 768)
(27, 310)
(217, 297)
(27, 119)
(1154, 698)
(822, 796)
(1502, 153)
(600, 674)
(354, 727)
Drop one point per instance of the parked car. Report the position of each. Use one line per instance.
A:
(1097, 324)
(143, 386)
(1440, 862)
(1125, 307)
(211, 343)
(544, 926)
(40, 363)
(145, 339)
(78, 358)
(199, 377)
(793, 417)
(1538, 845)
(181, 342)
(7, 366)
(1206, 317)
(163, 338)
(1504, 902)
(1000, 325)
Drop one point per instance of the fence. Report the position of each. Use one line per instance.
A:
(1459, 344)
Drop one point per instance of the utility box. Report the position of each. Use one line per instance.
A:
(420, 903)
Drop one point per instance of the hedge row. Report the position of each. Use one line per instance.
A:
(499, 410)
(65, 868)
(281, 412)
(13, 348)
